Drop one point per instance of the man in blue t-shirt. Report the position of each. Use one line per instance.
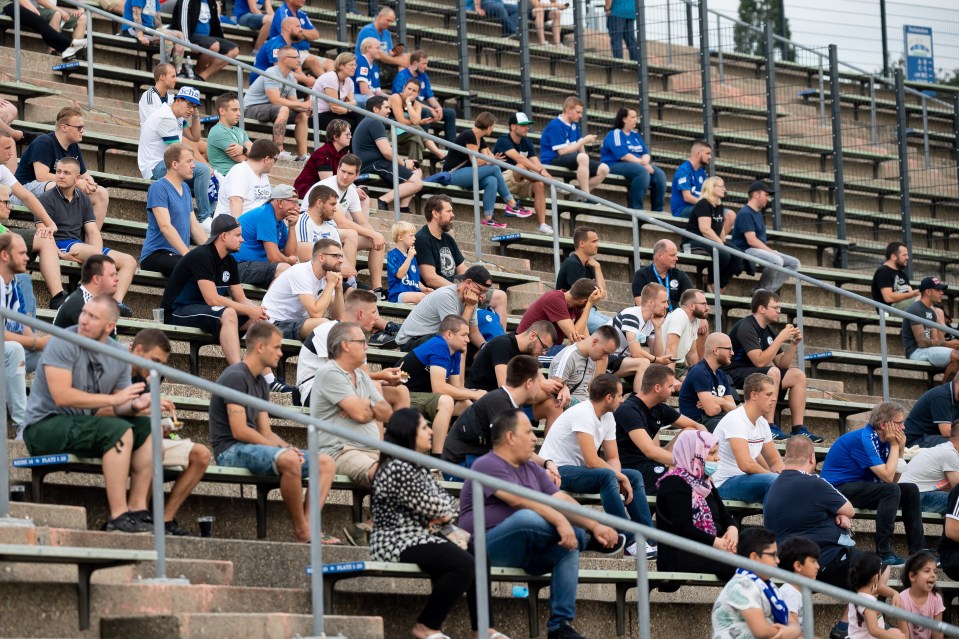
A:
(563, 144)
(366, 79)
(749, 236)
(390, 58)
(862, 465)
(707, 393)
(444, 118)
(688, 180)
(292, 33)
(268, 247)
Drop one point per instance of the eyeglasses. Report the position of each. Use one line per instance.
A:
(358, 341)
(78, 127)
(338, 256)
(725, 348)
(897, 423)
(770, 554)
(703, 303)
(775, 308)
(540, 340)
(6, 202)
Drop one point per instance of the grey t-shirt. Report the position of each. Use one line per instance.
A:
(238, 377)
(92, 373)
(575, 369)
(909, 342)
(68, 216)
(367, 132)
(256, 94)
(331, 386)
(426, 316)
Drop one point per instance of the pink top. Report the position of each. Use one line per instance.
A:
(930, 608)
(329, 80)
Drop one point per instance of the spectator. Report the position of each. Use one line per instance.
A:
(867, 574)
(529, 535)
(247, 185)
(269, 100)
(662, 270)
(164, 82)
(165, 127)
(575, 365)
(324, 161)
(402, 270)
(709, 219)
(584, 262)
(639, 420)
(574, 442)
(621, 25)
(62, 400)
(372, 145)
(367, 77)
(42, 241)
(256, 15)
(749, 236)
(298, 300)
(200, 21)
(802, 556)
(638, 327)
(227, 144)
(435, 377)
(566, 310)
(241, 436)
(563, 144)
(30, 18)
(316, 223)
(890, 285)
(98, 276)
(626, 154)
(490, 176)
(949, 543)
(920, 595)
(707, 393)
(460, 299)
(294, 9)
(268, 248)
(688, 505)
(389, 58)
(504, 13)
(292, 33)
(338, 84)
(412, 114)
(688, 179)
(539, 10)
(759, 348)
(38, 163)
(935, 471)
(444, 118)
(682, 342)
(72, 211)
(930, 421)
(344, 395)
(113, 6)
(408, 507)
(517, 149)
(862, 465)
(146, 13)
(170, 219)
(748, 459)
(925, 343)
(204, 290)
(8, 113)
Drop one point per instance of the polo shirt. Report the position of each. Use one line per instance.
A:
(852, 455)
(68, 216)
(260, 225)
(701, 378)
(556, 136)
(675, 281)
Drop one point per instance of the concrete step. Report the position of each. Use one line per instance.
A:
(71, 517)
(228, 626)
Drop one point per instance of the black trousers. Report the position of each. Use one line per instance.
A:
(886, 499)
(452, 572)
(161, 261)
(30, 20)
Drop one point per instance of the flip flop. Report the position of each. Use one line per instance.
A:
(329, 540)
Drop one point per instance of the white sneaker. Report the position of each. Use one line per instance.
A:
(651, 551)
(79, 42)
(545, 229)
(71, 51)
(630, 550)
(285, 156)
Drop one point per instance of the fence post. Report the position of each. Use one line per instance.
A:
(164, 58)
(925, 129)
(874, 130)
(464, 58)
(526, 89)
(822, 97)
(955, 131)
(885, 38)
(689, 22)
(341, 34)
(842, 256)
(316, 123)
(808, 626)
(643, 69)
(669, 32)
(718, 311)
(4, 453)
(479, 554)
(401, 22)
(555, 207)
(394, 147)
(477, 227)
(579, 47)
(901, 120)
(316, 546)
(719, 49)
(636, 257)
(156, 433)
(89, 58)
(801, 346)
(16, 44)
(705, 74)
(239, 95)
(883, 352)
(772, 127)
(642, 588)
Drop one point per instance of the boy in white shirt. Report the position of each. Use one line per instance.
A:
(247, 185)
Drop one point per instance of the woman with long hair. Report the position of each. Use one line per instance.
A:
(338, 84)
(709, 219)
(626, 153)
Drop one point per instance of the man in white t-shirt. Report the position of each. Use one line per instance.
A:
(935, 471)
(247, 185)
(640, 335)
(681, 329)
(573, 442)
(748, 459)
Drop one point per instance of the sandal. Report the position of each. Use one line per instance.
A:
(329, 540)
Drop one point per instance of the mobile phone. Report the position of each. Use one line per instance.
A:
(675, 359)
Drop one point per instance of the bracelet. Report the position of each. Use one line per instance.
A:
(547, 462)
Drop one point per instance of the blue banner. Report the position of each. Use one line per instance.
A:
(920, 66)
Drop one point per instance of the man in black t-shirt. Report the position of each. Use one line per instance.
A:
(372, 145)
(582, 263)
(889, 283)
(204, 290)
(663, 271)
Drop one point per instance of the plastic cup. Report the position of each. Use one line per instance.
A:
(206, 525)
(158, 315)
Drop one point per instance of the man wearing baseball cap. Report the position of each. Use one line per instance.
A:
(749, 236)
(518, 150)
(928, 344)
(165, 126)
(269, 248)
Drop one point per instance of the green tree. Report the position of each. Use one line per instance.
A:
(751, 40)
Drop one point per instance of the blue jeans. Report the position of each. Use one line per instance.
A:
(684, 212)
(250, 20)
(491, 181)
(595, 320)
(526, 540)
(639, 181)
(505, 14)
(15, 380)
(620, 29)
(748, 488)
(577, 479)
(927, 441)
(259, 459)
(934, 501)
(466, 463)
(199, 185)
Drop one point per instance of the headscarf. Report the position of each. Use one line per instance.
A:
(689, 464)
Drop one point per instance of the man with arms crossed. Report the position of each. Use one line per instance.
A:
(707, 393)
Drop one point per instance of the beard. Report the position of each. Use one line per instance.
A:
(446, 228)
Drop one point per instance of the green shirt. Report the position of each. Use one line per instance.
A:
(219, 138)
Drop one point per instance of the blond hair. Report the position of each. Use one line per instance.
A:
(401, 228)
(709, 191)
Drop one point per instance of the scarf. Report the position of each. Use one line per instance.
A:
(12, 298)
(882, 449)
(689, 459)
(778, 606)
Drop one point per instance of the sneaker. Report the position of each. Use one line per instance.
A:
(802, 430)
(598, 548)
(380, 293)
(652, 551)
(892, 559)
(125, 311)
(127, 523)
(303, 158)
(57, 300)
(144, 516)
(630, 550)
(71, 51)
(382, 340)
(285, 156)
(545, 229)
(175, 529)
(517, 211)
(778, 435)
(488, 221)
(565, 631)
(839, 631)
(577, 197)
(392, 328)
(280, 387)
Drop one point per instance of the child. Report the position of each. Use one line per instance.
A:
(802, 556)
(865, 575)
(402, 272)
(921, 595)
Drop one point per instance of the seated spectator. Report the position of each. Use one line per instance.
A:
(292, 33)
(748, 460)
(325, 160)
(204, 290)
(708, 393)
(372, 145)
(517, 149)
(935, 471)
(241, 436)
(31, 18)
(316, 223)
(662, 270)
(389, 58)
(227, 143)
(269, 100)
(524, 534)
(200, 21)
(584, 262)
(920, 596)
(165, 127)
(77, 234)
(256, 15)
(435, 377)
(862, 465)
(502, 12)
(405, 495)
(924, 343)
(626, 154)
(749, 236)
(890, 284)
(402, 271)
(930, 421)
(574, 442)
(490, 176)
(444, 118)
(412, 114)
(113, 6)
(759, 348)
(268, 248)
(621, 25)
(98, 276)
(688, 179)
(247, 185)
(366, 79)
(61, 402)
(949, 543)
(640, 334)
(711, 220)
(688, 505)
(303, 36)
(146, 13)
(170, 219)
(563, 144)
(638, 421)
(684, 345)
(344, 395)
(567, 311)
(162, 91)
(539, 10)
(460, 299)
(337, 84)
(575, 365)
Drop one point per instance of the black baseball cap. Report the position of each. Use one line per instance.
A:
(221, 224)
(478, 274)
(932, 282)
(759, 185)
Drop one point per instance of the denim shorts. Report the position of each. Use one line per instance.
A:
(250, 20)
(257, 458)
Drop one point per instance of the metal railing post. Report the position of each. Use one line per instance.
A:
(642, 588)
(842, 255)
(636, 258)
(316, 123)
(642, 69)
(341, 33)
(885, 38)
(669, 32)
(883, 354)
(955, 131)
(719, 49)
(239, 96)
(874, 129)
(394, 146)
(477, 227)
(316, 545)
(464, 58)
(925, 130)
(901, 120)
(716, 301)
(156, 433)
(555, 212)
(525, 86)
(479, 554)
(705, 74)
(401, 21)
(689, 22)
(801, 346)
(163, 56)
(822, 97)
(4, 453)
(16, 40)
(89, 58)
(808, 625)
(580, 48)
(772, 127)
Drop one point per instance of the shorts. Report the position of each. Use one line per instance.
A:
(37, 188)
(106, 5)
(570, 162)
(257, 273)
(290, 328)
(684, 212)
(355, 463)
(66, 245)
(522, 189)
(266, 112)
(384, 170)
(939, 356)
(83, 435)
(426, 403)
(614, 363)
(259, 459)
(176, 452)
(250, 20)
(66, 25)
(207, 42)
(206, 318)
(651, 472)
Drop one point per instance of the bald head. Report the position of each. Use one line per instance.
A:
(289, 24)
(799, 452)
(714, 340)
